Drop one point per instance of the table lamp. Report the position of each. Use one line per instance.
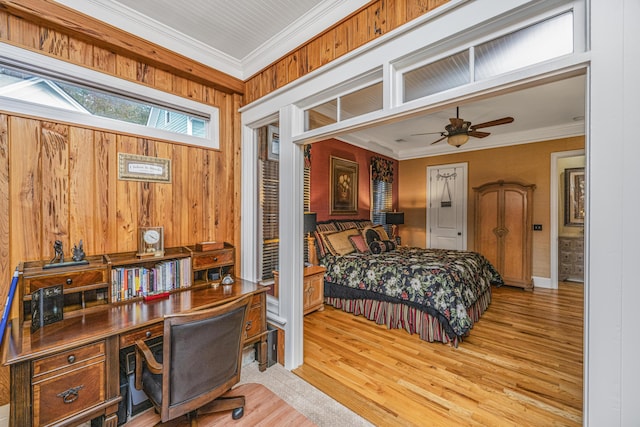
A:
(309, 228)
(395, 219)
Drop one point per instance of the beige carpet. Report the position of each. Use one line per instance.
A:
(314, 404)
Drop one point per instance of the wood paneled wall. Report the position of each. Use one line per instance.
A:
(366, 24)
(59, 181)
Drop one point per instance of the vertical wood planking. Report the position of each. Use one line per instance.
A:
(106, 180)
(195, 194)
(82, 187)
(181, 194)
(234, 234)
(127, 201)
(25, 189)
(55, 186)
(54, 43)
(145, 219)
(4, 27)
(80, 52)
(23, 32)
(6, 264)
(162, 212)
(104, 60)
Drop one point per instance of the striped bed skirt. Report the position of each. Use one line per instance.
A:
(413, 320)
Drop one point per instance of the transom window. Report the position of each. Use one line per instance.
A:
(49, 88)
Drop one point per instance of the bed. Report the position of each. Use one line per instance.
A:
(436, 293)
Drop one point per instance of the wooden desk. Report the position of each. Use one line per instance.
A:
(69, 370)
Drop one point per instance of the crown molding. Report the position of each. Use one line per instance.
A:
(131, 21)
(322, 16)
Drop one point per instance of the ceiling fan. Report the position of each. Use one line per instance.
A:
(458, 131)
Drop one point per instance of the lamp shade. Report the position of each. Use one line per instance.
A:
(395, 218)
(458, 139)
(309, 222)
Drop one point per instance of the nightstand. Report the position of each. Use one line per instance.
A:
(313, 288)
(313, 291)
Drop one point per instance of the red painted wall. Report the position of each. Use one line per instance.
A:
(321, 153)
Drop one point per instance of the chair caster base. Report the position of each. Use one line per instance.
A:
(237, 413)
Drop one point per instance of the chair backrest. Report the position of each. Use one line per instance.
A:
(202, 356)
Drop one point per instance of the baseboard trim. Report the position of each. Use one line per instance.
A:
(4, 415)
(542, 282)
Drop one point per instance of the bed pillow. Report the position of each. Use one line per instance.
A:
(374, 233)
(339, 243)
(379, 246)
(359, 243)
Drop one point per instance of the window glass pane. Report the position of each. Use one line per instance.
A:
(361, 102)
(269, 204)
(321, 115)
(23, 86)
(545, 40)
(382, 202)
(438, 76)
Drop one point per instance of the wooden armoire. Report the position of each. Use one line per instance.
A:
(503, 226)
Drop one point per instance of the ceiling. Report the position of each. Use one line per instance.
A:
(243, 36)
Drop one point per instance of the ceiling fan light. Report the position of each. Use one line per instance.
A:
(458, 139)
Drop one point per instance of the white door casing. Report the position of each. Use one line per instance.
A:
(447, 206)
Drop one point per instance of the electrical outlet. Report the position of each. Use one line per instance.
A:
(537, 227)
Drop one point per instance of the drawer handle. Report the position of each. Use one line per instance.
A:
(71, 358)
(148, 334)
(249, 324)
(69, 281)
(215, 259)
(71, 395)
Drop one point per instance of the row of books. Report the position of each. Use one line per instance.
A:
(130, 282)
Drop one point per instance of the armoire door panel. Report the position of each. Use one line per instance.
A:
(515, 238)
(504, 214)
(486, 239)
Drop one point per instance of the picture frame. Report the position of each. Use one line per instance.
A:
(574, 192)
(343, 187)
(273, 143)
(134, 167)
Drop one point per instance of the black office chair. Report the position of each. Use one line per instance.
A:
(199, 361)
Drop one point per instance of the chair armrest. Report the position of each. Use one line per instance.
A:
(144, 354)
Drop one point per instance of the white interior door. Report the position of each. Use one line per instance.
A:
(447, 206)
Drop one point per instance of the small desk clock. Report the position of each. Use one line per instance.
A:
(150, 241)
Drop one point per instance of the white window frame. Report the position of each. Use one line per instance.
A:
(56, 69)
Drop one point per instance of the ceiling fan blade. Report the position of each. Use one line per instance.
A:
(479, 134)
(427, 133)
(502, 121)
(435, 142)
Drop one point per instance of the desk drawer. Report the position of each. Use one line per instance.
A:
(254, 321)
(147, 333)
(68, 280)
(69, 393)
(213, 259)
(71, 359)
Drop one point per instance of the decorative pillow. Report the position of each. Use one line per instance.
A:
(346, 225)
(359, 244)
(379, 246)
(382, 232)
(370, 235)
(339, 243)
(364, 224)
(326, 226)
(321, 249)
(374, 233)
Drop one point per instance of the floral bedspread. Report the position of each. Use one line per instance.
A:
(445, 282)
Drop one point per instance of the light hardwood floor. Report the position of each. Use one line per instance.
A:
(521, 365)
